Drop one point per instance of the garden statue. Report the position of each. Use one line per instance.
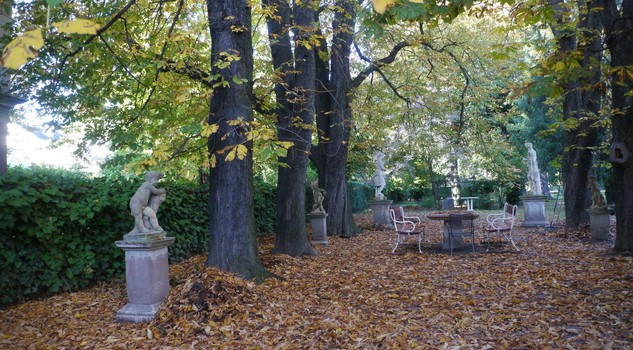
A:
(318, 195)
(379, 176)
(145, 203)
(534, 177)
(597, 201)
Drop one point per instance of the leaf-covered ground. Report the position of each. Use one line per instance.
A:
(561, 291)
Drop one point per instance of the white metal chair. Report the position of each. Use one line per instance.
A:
(467, 229)
(405, 226)
(502, 224)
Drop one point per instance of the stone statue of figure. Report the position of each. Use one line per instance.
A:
(319, 195)
(145, 203)
(379, 176)
(534, 176)
(597, 201)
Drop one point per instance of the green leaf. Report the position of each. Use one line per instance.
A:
(53, 2)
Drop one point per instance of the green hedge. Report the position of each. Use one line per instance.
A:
(58, 228)
(360, 194)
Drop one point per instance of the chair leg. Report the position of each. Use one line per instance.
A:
(397, 243)
(509, 238)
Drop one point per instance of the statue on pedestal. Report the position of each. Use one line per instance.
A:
(145, 203)
(379, 176)
(318, 195)
(597, 201)
(534, 176)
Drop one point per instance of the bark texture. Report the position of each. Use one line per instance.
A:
(232, 242)
(582, 98)
(295, 115)
(619, 39)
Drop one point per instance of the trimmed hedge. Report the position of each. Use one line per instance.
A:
(58, 228)
(360, 195)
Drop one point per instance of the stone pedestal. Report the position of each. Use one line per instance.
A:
(146, 275)
(380, 212)
(600, 223)
(319, 227)
(534, 210)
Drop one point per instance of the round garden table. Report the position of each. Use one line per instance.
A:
(455, 225)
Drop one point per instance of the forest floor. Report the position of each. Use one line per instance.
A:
(560, 291)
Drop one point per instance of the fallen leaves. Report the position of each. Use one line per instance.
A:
(560, 291)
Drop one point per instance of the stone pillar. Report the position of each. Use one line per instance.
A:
(146, 275)
(600, 223)
(534, 210)
(380, 212)
(319, 227)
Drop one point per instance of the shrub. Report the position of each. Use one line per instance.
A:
(360, 194)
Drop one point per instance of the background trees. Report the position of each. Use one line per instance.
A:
(420, 80)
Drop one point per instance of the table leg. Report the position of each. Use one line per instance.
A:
(458, 242)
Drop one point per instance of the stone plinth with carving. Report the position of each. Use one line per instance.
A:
(318, 219)
(600, 223)
(146, 275)
(534, 211)
(380, 212)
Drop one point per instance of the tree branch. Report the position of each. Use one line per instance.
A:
(375, 65)
(393, 87)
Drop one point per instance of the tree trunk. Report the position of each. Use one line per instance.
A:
(334, 121)
(618, 28)
(232, 242)
(453, 177)
(295, 116)
(581, 102)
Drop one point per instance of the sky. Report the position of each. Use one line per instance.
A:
(34, 147)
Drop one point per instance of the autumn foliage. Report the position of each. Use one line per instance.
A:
(560, 291)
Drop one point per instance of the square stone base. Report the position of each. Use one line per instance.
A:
(534, 211)
(135, 313)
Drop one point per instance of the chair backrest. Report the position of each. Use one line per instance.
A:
(397, 214)
(509, 210)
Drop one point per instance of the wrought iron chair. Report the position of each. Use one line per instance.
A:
(405, 226)
(467, 229)
(501, 224)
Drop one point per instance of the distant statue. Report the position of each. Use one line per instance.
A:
(534, 177)
(379, 176)
(597, 201)
(319, 195)
(145, 203)
(545, 186)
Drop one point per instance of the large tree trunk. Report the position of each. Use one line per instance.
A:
(295, 116)
(618, 28)
(581, 102)
(334, 121)
(232, 241)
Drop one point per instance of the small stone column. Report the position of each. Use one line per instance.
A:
(600, 223)
(534, 210)
(319, 227)
(146, 275)
(380, 212)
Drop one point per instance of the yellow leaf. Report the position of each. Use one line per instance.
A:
(381, 5)
(20, 49)
(77, 26)
(231, 155)
(207, 129)
(241, 151)
(286, 144)
(559, 66)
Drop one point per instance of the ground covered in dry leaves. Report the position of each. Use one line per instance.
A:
(561, 291)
